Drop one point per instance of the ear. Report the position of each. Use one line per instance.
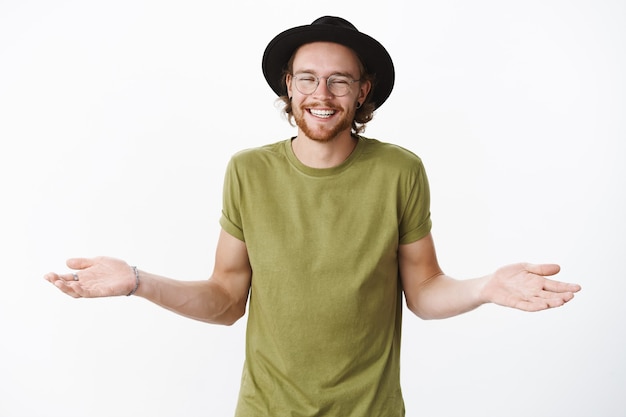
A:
(288, 82)
(364, 90)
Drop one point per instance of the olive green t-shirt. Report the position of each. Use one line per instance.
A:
(325, 309)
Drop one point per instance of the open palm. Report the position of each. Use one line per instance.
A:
(97, 277)
(525, 287)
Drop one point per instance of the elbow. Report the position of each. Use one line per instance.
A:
(223, 306)
(228, 315)
(233, 315)
(425, 316)
(421, 313)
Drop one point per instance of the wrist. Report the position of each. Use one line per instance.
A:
(136, 286)
(482, 289)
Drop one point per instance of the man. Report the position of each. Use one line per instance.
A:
(323, 234)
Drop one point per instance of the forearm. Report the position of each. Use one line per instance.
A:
(206, 301)
(442, 296)
(430, 294)
(221, 299)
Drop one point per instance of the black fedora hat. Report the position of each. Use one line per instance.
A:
(330, 29)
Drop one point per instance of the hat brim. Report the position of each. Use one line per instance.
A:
(373, 55)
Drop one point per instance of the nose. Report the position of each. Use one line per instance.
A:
(322, 89)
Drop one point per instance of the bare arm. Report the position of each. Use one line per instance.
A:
(431, 294)
(221, 299)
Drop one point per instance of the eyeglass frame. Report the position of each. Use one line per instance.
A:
(347, 78)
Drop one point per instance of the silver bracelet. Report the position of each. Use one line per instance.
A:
(136, 281)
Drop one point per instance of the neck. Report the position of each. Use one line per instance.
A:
(323, 154)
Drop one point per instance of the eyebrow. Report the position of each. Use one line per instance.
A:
(308, 71)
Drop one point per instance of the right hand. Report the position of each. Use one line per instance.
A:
(97, 277)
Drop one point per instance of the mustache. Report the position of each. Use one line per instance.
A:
(322, 104)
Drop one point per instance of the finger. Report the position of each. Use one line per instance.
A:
(67, 285)
(68, 277)
(533, 305)
(560, 287)
(51, 277)
(68, 288)
(541, 303)
(557, 300)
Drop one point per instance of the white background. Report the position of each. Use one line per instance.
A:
(117, 119)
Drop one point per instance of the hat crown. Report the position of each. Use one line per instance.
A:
(334, 21)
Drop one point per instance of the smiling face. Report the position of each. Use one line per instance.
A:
(322, 116)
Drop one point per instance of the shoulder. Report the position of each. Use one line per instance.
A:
(390, 154)
(259, 156)
(269, 150)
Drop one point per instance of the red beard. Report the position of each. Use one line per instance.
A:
(322, 133)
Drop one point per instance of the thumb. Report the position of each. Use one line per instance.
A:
(79, 263)
(543, 269)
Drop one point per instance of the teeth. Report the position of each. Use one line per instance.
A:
(322, 113)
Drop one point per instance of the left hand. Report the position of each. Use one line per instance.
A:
(525, 287)
(94, 277)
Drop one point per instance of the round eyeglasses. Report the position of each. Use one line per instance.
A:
(338, 85)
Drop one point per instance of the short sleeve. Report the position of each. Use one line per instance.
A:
(231, 203)
(415, 222)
